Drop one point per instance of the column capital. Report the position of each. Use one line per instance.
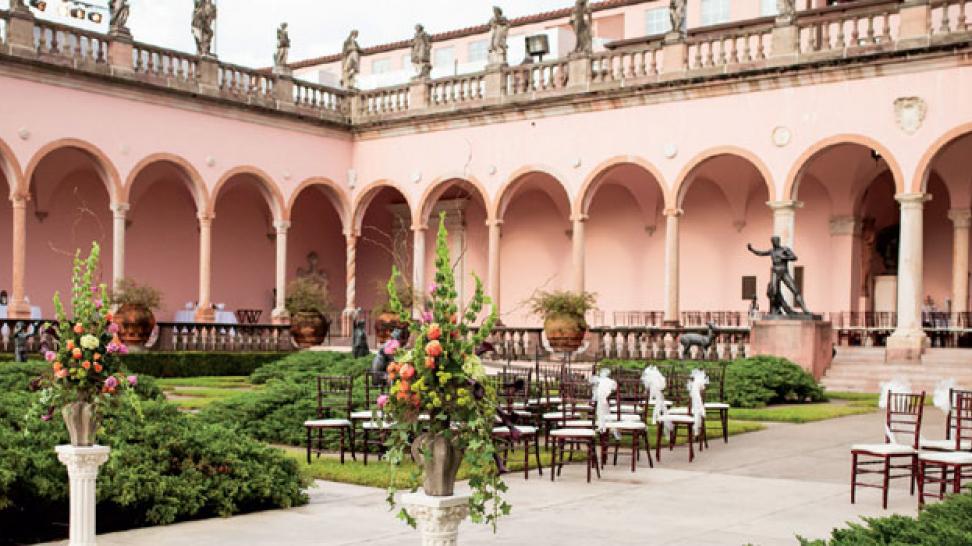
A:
(205, 218)
(419, 227)
(784, 205)
(19, 200)
(494, 222)
(961, 218)
(845, 225)
(912, 200)
(579, 217)
(673, 212)
(120, 209)
(281, 226)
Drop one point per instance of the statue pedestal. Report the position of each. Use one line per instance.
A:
(82, 465)
(438, 518)
(808, 342)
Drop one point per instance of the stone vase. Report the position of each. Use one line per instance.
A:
(82, 421)
(564, 333)
(135, 325)
(309, 328)
(440, 467)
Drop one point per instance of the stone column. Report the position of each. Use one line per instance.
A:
(205, 313)
(578, 247)
(438, 518)
(844, 233)
(119, 225)
(19, 309)
(82, 465)
(961, 220)
(280, 314)
(672, 316)
(418, 266)
(493, 280)
(350, 306)
(908, 339)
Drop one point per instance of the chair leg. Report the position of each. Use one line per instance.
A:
(914, 474)
(724, 417)
(884, 486)
(353, 457)
(553, 460)
(634, 450)
(308, 445)
(957, 480)
(691, 443)
(853, 477)
(591, 459)
(658, 438)
(648, 450)
(320, 442)
(705, 435)
(342, 445)
(526, 458)
(921, 484)
(536, 449)
(366, 447)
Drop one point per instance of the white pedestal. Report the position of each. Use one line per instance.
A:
(82, 465)
(438, 518)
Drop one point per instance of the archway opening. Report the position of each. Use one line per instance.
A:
(386, 240)
(316, 244)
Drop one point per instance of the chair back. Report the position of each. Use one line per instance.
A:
(716, 390)
(576, 395)
(951, 419)
(513, 389)
(375, 384)
(630, 397)
(334, 396)
(962, 412)
(903, 417)
(676, 387)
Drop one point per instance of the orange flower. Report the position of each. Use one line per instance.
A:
(435, 332)
(430, 362)
(58, 366)
(109, 317)
(98, 367)
(416, 400)
(61, 374)
(408, 372)
(86, 365)
(433, 349)
(78, 328)
(97, 356)
(404, 386)
(392, 368)
(402, 395)
(76, 353)
(70, 344)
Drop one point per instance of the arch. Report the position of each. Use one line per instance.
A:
(506, 192)
(582, 201)
(791, 186)
(195, 183)
(266, 184)
(920, 180)
(11, 170)
(436, 189)
(678, 192)
(106, 169)
(337, 196)
(364, 197)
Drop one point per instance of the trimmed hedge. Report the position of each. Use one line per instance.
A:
(752, 382)
(163, 468)
(948, 523)
(198, 364)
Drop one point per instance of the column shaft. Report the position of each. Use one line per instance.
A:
(18, 305)
(119, 225)
(672, 311)
(578, 247)
(419, 287)
(961, 220)
(351, 250)
(493, 280)
(205, 313)
(908, 339)
(280, 315)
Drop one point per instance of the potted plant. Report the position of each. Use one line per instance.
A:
(134, 315)
(563, 313)
(86, 369)
(308, 302)
(441, 377)
(387, 319)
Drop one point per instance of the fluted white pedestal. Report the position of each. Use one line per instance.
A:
(438, 518)
(82, 465)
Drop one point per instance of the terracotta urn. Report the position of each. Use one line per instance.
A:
(309, 328)
(385, 324)
(565, 332)
(440, 466)
(82, 421)
(136, 323)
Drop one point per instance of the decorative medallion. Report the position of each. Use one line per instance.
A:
(417, 177)
(782, 136)
(578, 162)
(211, 161)
(670, 151)
(491, 170)
(352, 178)
(909, 113)
(23, 133)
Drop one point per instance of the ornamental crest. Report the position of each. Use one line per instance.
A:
(909, 113)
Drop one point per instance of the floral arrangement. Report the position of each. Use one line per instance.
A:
(441, 376)
(86, 367)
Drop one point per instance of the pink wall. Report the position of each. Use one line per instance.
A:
(375, 247)
(316, 227)
(938, 245)
(814, 249)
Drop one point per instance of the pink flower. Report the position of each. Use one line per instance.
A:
(51, 356)
(391, 346)
(427, 316)
(382, 400)
(432, 287)
(113, 328)
(46, 417)
(132, 380)
(98, 303)
(113, 347)
(111, 382)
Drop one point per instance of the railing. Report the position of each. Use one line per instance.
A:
(729, 45)
(622, 65)
(4, 16)
(80, 47)
(532, 78)
(244, 83)
(950, 16)
(318, 97)
(164, 63)
(387, 100)
(457, 89)
(855, 24)
(36, 338)
(171, 336)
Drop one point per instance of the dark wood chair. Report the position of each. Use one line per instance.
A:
(902, 418)
(715, 397)
(629, 418)
(513, 395)
(680, 417)
(951, 465)
(366, 416)
(249, 316)
(576, 395)
(333, 414)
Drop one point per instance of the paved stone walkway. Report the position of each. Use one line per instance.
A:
(761, 488)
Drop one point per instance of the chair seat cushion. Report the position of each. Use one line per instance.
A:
(884, 449)
(363, 414)
(679, 411)
(372, 425)
(578, 423)
(626, 425)
(944, 445)
(538, 401)
(572, 433)
(716, 405)
(954, 457)
(523, 413)
(557, 415)
(676, 419)
(520, 428)
(327, 423)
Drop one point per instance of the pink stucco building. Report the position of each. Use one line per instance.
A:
(638, 172)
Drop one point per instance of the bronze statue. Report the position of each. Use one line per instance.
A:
(422, 53)
(582, 20)
(359, 338)
(499, 31)
(780, 275)
(351, 61)
(203, 17)
(20, 342)
(283, 47)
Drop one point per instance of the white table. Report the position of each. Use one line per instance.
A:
(35, 312)
(186, 316)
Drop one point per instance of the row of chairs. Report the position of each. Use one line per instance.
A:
(905, 453)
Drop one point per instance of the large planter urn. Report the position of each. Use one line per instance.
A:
(565, 333)
(309, 328)
(440, 467)
(82, 420)
(135, 323)
(385, 324)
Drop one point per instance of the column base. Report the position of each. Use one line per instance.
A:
(438, 518)
(905, 346)
(19, 310)
(280, 316)
(206, 314)
(347, 322)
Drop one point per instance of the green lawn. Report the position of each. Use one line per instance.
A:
(229, 382)
(867, 399)
(193, 393)
(800, 413)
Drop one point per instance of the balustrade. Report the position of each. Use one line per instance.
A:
(533, 78)
(728, 46)
(319, 97)
(164, 63)
(387, 100)
(233, 338)
(66, 43)
(843, 26)
(950, 16)
(627, 64)
(457, 89)
(244, 82)
(36, 337)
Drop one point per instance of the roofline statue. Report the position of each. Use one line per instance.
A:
(283, 49)
(781, 256)
(499, 32)
(350, 61)
(118, 17)
(582, 20)
(422, 53)
(203, 17)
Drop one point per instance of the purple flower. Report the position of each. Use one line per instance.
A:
(51, 356)
(46, 417)
(427, 316)
(122, 349)
(382, 400)
(113, 328)
(391, 346)
(111, 382)
(113, 347)
(98, 303)
(132, 380)
(433, 287)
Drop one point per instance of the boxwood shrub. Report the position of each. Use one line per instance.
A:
(164, 467)
(198, 364)
(752, 382)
